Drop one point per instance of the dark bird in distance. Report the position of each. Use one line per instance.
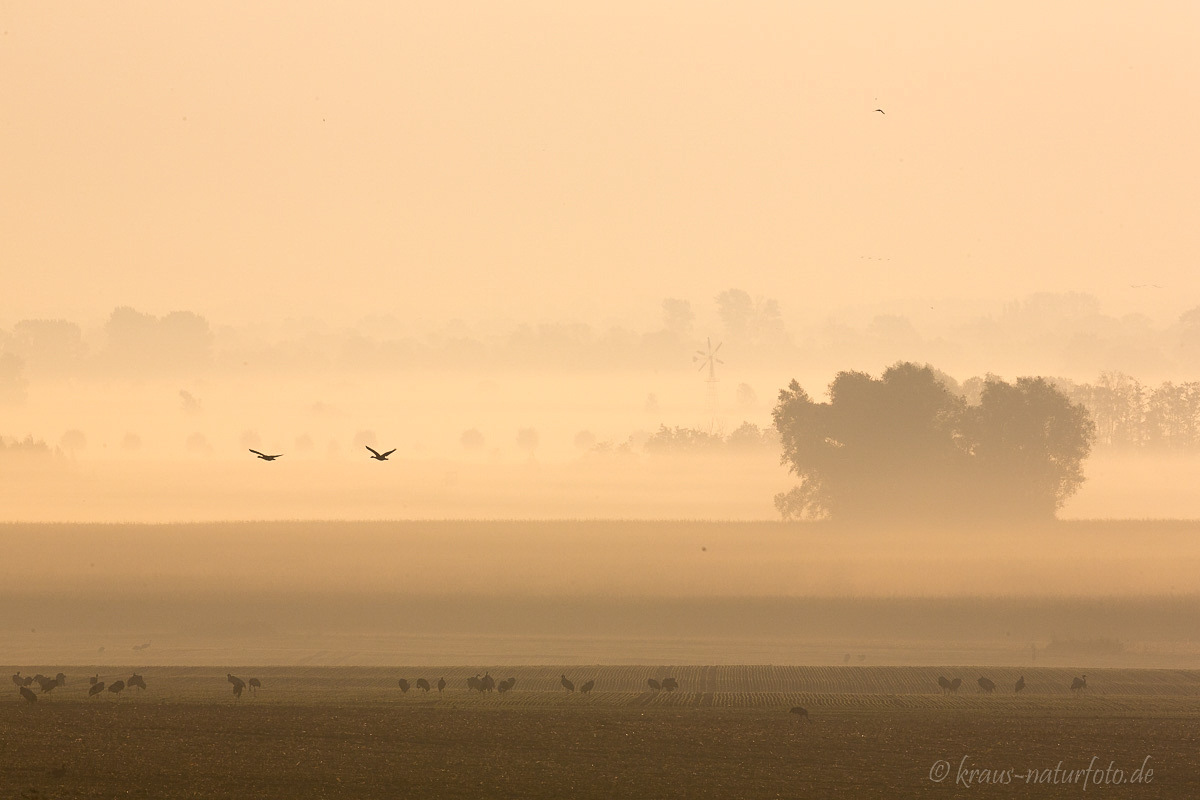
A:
(141, 646)
(986, 685)
(403, 686)
(803, 712)
(255, 685)
(138, 681)
(503, 687)
(116, 687)
(881, 111)
(587, 687)
(441, 684)
(655, 685)
(1079, 683)
(27, 694)
(669, 684)
(566, 684)
(17, 679)
(378, 456)
(423, 684)
(47, 684)
(238, 684)
(954, 684)
(263, 456)
(945, 684)
(1020, 685)
(93, 680)
(96, 689)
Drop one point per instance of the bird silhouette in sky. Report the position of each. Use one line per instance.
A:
(264, 456)
(881, 111)
(378, 456)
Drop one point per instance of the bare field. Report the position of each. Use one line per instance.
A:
(874, 732)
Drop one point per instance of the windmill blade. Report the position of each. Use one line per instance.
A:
(702, 366)
(719, 361)
(718, 347)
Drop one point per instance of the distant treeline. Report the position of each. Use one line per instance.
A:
(1043, 333)
(25, 447)
(1132, 416)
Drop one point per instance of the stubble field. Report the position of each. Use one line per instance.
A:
(726, 732)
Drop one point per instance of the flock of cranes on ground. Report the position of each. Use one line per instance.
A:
(988, 686)
(476, 683)
(47, 684)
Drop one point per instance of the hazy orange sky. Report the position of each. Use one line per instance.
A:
(554, 160)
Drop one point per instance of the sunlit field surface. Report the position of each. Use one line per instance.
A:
(725, 732)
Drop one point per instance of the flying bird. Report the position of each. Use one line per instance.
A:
(264, 456)
(378, 456)
(881, 111)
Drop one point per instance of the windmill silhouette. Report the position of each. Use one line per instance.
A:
(708, 359)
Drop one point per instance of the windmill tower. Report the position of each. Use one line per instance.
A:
(708, 358)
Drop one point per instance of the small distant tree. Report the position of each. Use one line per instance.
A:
(14, 386)
(73, 441)
(527, 440)
(472, 439)
(198, 443)
(746, 396)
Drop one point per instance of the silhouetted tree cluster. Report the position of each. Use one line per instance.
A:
(746, 437)
(906, 445)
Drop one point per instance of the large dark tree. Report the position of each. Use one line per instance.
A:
(906, 446)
